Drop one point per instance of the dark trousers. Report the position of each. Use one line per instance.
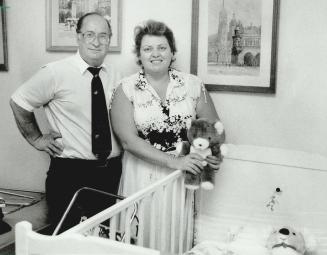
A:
(66, 176)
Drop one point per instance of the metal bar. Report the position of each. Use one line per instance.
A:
(18, 203)
(73, 200)
(23, 190)
(15, 194)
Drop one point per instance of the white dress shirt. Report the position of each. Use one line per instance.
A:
(63, 88)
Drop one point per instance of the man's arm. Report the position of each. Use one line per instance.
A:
(28, 127)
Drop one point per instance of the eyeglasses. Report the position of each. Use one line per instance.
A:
(90, 36)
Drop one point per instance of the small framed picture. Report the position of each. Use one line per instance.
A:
(234, 44)
(62, 17)
(3, 37)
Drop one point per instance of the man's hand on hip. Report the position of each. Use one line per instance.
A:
(48, 143)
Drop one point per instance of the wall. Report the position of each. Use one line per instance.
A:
(293, 118)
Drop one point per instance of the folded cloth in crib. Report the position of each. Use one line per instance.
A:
(232, 248)
(208, 248)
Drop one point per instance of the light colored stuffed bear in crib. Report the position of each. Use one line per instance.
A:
(265, 241)
(289, 241)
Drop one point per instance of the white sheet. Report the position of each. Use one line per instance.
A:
(246, 184)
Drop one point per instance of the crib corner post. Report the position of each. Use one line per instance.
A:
(22, 230)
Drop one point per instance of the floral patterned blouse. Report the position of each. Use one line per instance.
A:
(163, 123)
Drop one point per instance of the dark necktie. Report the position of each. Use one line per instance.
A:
(101, 138)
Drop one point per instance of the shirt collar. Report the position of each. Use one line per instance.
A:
(175, 78)
(82, 65)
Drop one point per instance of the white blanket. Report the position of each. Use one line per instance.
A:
(232, 248)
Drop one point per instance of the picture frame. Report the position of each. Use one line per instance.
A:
(62, 17)
(234, 44)
(3, 37)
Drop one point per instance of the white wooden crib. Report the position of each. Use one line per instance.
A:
(245, 196)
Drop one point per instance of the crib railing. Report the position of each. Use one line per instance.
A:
(135, 220)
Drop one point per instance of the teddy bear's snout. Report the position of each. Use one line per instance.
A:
(284, 231)
(201, 143)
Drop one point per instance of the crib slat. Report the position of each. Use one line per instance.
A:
(127, 228)
(113, 227)
(181, 221)
(173, 218)
(163, 212)
(189, 229)
(140, 237)
(122, 219)
(152, 221)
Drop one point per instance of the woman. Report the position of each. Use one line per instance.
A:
(150, 109)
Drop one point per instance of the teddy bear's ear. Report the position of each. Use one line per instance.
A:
(224, 150)
(310, 240)
(188, 123)
(267, 232)
(219, 127)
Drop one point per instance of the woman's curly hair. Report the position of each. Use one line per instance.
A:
(156, 28)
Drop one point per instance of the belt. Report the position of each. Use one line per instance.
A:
(85, 162)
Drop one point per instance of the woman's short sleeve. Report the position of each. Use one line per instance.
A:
(128, 86)
(195, 87)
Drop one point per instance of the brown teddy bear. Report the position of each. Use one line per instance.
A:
(204, 138)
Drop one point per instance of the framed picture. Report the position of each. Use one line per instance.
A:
(3, 38)
(234, 44)
(62, 17)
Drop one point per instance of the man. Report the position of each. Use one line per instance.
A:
(70, 90)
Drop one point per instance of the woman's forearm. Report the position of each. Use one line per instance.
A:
(145, 151)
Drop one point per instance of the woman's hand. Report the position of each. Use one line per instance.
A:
(191, 163)
(213, 162)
